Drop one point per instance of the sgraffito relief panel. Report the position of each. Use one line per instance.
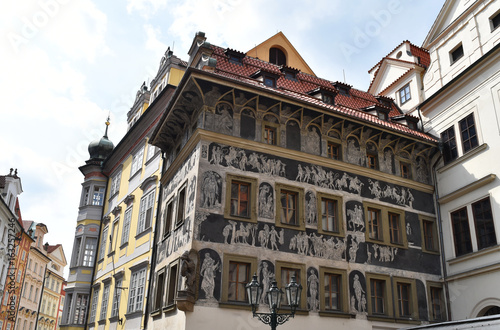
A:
(177, 238)
(233, 157)
(224, 118)
(266, 201)
(413, 232)
(211, 190)
(422, 301)
(312, 289)
(183, 172)
(311, 208)
(266, 275)
(358, 296)
(210, 275)
(247, 124)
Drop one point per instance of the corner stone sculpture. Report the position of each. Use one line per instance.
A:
(186, 296)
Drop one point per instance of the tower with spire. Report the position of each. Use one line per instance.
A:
(86, 234)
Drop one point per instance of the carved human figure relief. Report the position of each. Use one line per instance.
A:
(387, 163)
(266, 201)
(312, 297)
(210, 189)
(311, 208)
(264, 236)
(266, 276)
(422, 171)
(217, 154)
(353, 151)
(358, 293)
(384, 253)
(313, 141)
(353, 249)
(224, 118)
(375, 189)
(207, 273)
(199, 217)
(356, 218)
(355, 185)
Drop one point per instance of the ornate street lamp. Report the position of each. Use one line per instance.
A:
(293, 292)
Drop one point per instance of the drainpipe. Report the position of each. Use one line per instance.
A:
(440, 229)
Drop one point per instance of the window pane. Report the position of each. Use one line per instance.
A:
(377, 288)
(374, 224)
(404, 299)
(461, 232)
(328, 215)
(239, 274)
(332, 292)
(395, 228)
(289, 205)
(483, 220)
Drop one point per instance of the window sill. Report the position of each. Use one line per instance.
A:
(101, 322)
(150, 160)
(382, 318)
(336, 314)
(113, 196)
(155, 313)
(235, 305)
(135, 174)
(124, 245)
(169, 309)
(463, 158)
(110, 254)
(143, 233)
(113, 319)
(131, 315)
(167, 235)
(474, 254)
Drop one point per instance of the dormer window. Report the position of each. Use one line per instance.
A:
(381, 112)
(290, 73)
(270, 81)
(385, 101)
(326, 95)
(327, 98)
(235, 56)
(342, 88)
(267, 78)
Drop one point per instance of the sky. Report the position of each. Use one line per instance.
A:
(66, 64)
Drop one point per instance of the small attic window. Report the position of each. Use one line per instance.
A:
(398, 55)
(327, 98)
(277, 56)
(269, 81)
(456, 54)
(267, 78)
(495, 21)
(234, 56)
(290, 73)
(381, 112)
(412, 125)
(342, 88)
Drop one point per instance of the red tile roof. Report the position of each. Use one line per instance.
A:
(423, 53)
(52, 248)
(349, 105)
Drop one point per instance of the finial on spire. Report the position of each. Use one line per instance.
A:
(107, 125)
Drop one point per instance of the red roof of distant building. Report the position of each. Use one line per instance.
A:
(52, 248)
(350, 104)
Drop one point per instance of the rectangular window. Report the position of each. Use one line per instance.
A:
(405, 170)
(81, 308)
(461, 232)
(98, 196)
(403, 290)
(102, 248)
(151, 152)
(379, 295)
(116, 297)
(371, 161)
(436, 302)
(327, 98)
(483, 221)
(181, 205)
(172, 284)
(93, 306)
(85, 196)
(468, 133)
(239, 276)
(406, 298)
(284, 273)
(332, 289)
(115, 183)
(89, 253)
(429, 235)
(270, 81)
(456, 54)
(137, 162)
(113, 234)
(104, 302)
(160, 288)
(374, 230)
(146, 212)
(404, 94)
(450, 151)
(395, 228)
(126, 226)
(76, 252)
(333, 150)
(289, 207)
(330, 220)
(167, 217)
(270, 135)
(240, 199)
(136, 291)
(495, 21)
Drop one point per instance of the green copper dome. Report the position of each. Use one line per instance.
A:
(101, 148)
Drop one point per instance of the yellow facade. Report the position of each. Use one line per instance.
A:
(293, 58)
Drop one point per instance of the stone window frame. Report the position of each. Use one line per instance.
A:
(413, 297)
(180, 210)
(127, 219)
(170, 293)
(277, 130)
(435, 240)
(94, 302)
(339, 215)
(456, 56)
(167, 227)
(388, 303)
(227, 259)
(132, 304)
(303, 275)
(300, 206)
(253, 197)
(494, 19)
(344, 295)
(155, 305)
(338, 144)
(105, 302)
(137, 161)
(144, 226)
(436, 285)
(384, 224)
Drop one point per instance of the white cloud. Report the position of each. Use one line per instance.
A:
(146, 8)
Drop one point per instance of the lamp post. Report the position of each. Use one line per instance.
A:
(254, 292)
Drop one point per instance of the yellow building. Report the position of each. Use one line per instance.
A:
(122, 271)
